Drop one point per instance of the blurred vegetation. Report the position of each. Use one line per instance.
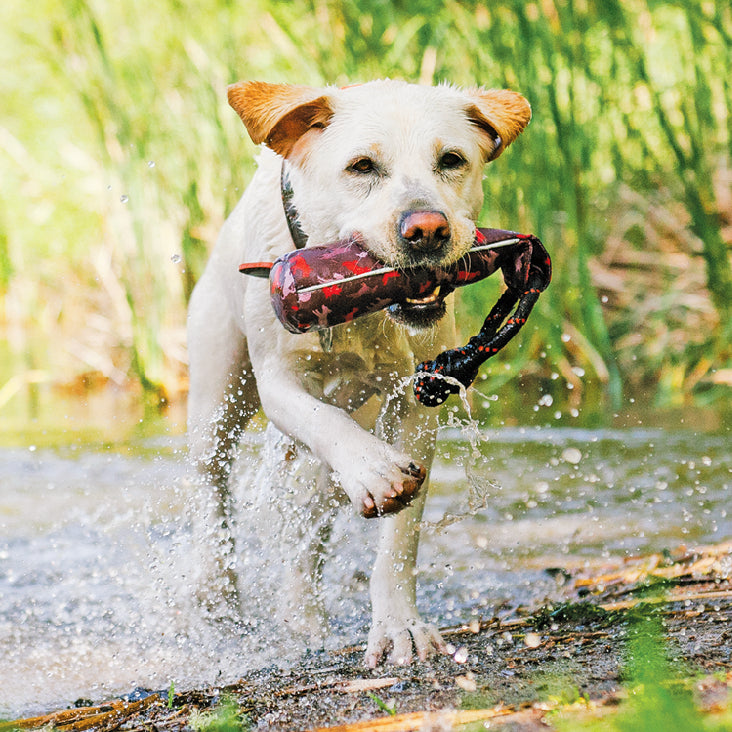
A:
(120, 160)
(660, 691)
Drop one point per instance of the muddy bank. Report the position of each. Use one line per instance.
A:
(517, 669)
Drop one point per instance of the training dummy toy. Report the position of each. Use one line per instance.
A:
(319, 287)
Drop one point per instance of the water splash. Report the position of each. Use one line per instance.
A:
(480, 489)
(97, 562)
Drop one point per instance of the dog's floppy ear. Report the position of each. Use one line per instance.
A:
(279, 114)
(501, 114)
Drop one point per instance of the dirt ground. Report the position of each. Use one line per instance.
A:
(524, 669)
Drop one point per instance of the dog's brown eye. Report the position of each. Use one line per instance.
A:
(451, 161)
(362, 165)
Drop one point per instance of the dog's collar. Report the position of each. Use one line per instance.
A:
(299, 237)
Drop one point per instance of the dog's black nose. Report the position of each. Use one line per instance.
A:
(424, 231)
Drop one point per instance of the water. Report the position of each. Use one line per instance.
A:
(95, 594)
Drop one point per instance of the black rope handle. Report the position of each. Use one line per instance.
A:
(527, 271)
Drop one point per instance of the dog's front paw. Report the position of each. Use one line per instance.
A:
(379, 480)
(396, 642)
(380, 499)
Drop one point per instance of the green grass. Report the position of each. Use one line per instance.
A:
(120, 160)
(381, 704)
(225, 717)
(659, 690)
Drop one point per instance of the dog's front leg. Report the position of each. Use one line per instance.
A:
(397, 630)
(377, 477)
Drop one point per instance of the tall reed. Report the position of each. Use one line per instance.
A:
(121, 159)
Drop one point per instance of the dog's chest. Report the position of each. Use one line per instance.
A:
(364, 360)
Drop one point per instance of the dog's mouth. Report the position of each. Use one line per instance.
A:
(420, 312)
(427, 301)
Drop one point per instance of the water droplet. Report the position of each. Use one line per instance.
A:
(124, 198)
(150, 163)
(546, 401)
(532, 640)
(176, 258)
(467, 682)
(571, 455)
(566, 338)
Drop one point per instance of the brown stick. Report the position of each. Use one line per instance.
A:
(413, 721)
(104, 717)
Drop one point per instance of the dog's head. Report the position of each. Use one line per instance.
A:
(398, 163)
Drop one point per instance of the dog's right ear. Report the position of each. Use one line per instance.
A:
(279, 114)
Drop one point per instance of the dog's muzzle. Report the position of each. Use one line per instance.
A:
(424, 232)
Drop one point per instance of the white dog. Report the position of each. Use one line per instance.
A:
(401, 165)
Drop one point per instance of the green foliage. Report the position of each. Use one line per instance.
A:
(121, 159)
(381, 704)
(656, 702)
(659, 695)
(226, 717)
(559, 687)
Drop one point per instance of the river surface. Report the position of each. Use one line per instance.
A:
(95, 595)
